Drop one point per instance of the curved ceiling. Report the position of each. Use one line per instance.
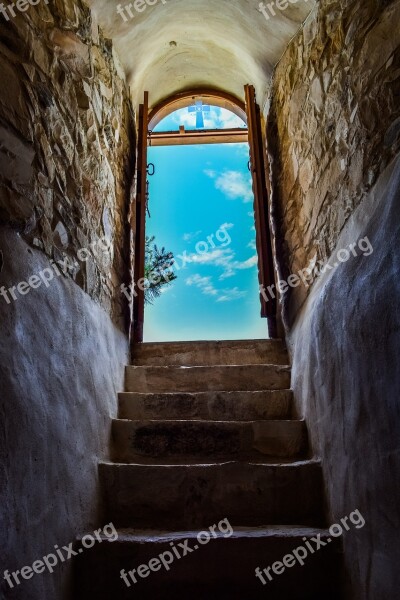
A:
(175, 45)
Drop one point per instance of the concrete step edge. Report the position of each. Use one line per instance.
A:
(208, 367)
(306, 462)
(263, 531)
(209, 422)
(201, 395)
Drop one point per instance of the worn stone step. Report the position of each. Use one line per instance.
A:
(202, 379)
(184, 496)
(144, 441)
(222, 569)
(236, 352)
(209, 406)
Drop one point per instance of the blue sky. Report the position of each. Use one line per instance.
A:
(201, 207)
(215, 118)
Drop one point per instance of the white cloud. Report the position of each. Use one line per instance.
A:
(232, 266)
(222, 257)
(167, 288)
(188, 237)
(203, 283)
(225, 119)
(247, 264)
(232, 294)
(183, 117)
(226, 226)
(235, 185)
(252, 245)
(243, 150)
(215, 118)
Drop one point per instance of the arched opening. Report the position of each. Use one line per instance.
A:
(186, 99)
(187, 202)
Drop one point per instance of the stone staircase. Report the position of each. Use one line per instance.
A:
(206, 433)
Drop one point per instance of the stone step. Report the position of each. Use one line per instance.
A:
(201, 379)
(223, 568)
(208, 406)
(144, 441)
(236, 352)
(185, 496)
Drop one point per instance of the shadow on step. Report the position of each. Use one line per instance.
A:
(222, 569)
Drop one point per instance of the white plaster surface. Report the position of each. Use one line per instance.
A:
(61, 362)
(346, 364)
(182, 44)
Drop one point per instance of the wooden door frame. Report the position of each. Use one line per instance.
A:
(140, 233)
(261, 204)
(266, 272)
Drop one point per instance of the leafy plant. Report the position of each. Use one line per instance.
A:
(157, 270)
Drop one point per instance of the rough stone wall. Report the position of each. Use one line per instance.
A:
(66, 163)
(333, 125)
(346, 365)
(62, 362)
(333, 142)
(66, 143)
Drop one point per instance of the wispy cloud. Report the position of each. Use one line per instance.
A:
(231, 266)
(216, 118)
(232, 294)
(247, 264)
(226, 226)
(225, 119)
(189, 237)
(219, 257)
(205, 285)
(223, 258)
(233, 184)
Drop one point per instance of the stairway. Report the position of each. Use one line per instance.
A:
(206, 437)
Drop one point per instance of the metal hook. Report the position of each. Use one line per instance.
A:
(153, 169)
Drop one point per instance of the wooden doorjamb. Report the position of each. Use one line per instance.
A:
(266, 275)
(140, 233)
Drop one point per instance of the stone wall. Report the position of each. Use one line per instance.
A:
(333, 126)
(66, 144)
(62, 362)
(346, 365)
(66, 165)
(333, 135)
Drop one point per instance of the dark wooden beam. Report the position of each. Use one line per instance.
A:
(140, 233)
(261, 209)
(204, 136)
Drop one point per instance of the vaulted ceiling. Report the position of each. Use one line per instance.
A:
(175, 45)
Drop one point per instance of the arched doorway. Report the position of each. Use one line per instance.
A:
(198, 102)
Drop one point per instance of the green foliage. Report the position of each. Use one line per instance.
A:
(157, 270)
